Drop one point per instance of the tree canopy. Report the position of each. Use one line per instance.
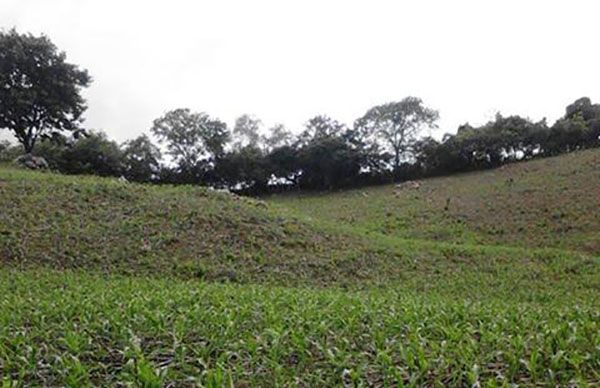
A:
(40, 103)
(141, 159)
(193, 140)
(39, 90)
(396, 125)
(246, 131)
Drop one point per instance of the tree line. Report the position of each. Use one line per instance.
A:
(40, 103)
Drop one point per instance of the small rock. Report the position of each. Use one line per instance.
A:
(413, 185)
(31, 162)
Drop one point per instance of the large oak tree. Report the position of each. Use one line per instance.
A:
(39, 90)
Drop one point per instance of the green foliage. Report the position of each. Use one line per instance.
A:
(40, 93)
(484, 279)
(277, 137)
(584, 108)
(8, 152)
(103, 224)
(79, 329)
(93, 153)
(283, 163)
(327, 162)
(383, 146)
(570, 134)
(107, 283)
(326, 156)
(246, 132)
(193, 140)
(141, 160)
(40, 98)
(396, 126)
(509, 139)
(245, 168)
(52, 150)
(321, 127)
(89, 153)
(550, 202)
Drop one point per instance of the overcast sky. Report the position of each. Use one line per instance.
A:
(286, 61)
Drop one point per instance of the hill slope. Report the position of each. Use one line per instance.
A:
(552, 202)
(104, 225)
(102, 282)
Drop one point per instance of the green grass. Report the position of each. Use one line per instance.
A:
(99, 224)
(550, 202)
(102, 224)
(106, 283)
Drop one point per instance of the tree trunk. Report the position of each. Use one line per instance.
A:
(396, 162)
(28, 145)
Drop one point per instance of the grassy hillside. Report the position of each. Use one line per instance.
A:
(106, 225)
(190, 232)
(551, 202)
(104, 282)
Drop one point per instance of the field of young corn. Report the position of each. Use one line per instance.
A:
(76, 329)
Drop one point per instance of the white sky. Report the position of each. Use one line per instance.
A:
(286, 61)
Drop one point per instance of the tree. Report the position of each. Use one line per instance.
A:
(321, 126)
(39, 90)
(193, 140)
(244, 169)
(397, 125)
(584, 108)
(246, 131)
(567, 135)
(53, 149)
(427, 154)
(278, 137)
(141, 159)
(284, 165)
(326, 157)
(93, 154)
(328, 162)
